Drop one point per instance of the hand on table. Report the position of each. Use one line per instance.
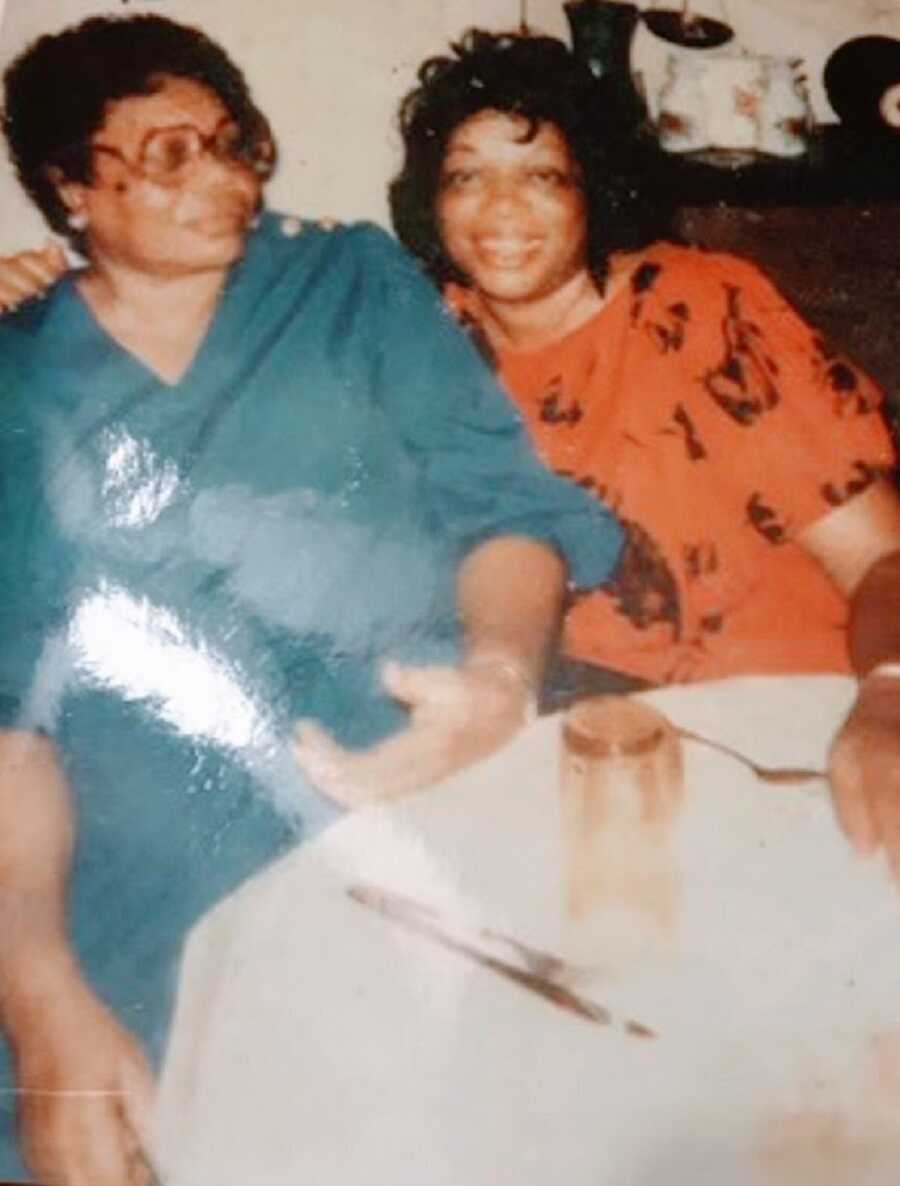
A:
(29, 274)
(87, 1095)
(864, 768)
(457, 715)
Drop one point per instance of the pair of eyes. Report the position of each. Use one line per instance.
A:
(166, 152)
(540, 177)
(171, 149)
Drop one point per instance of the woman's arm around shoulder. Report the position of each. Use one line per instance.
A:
(29, 274)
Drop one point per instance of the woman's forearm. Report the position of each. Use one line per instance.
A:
(510, 596)
(36, 840)
(873, 635)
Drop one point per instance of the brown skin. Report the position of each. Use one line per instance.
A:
(513, 219)
(859, 546)
(864, 766)
(159, 256)
(458, 715)
(87, 1089)
(29, 274)
(512, 215)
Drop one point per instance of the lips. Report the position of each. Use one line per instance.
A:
(505, 252)
(220, 223)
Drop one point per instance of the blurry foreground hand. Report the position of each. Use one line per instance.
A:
(864, 767)
(457, 715)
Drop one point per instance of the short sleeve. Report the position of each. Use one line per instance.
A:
(793, 422)
(482, 477)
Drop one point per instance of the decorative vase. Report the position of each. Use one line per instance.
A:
(602, 32)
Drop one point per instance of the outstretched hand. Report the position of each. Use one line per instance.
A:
(29, 274)
(864, 768)
(457, 715)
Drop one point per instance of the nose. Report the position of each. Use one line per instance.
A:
(218, 189)
(503, 195)
(220, 174)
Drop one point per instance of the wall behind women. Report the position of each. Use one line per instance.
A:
(329, 74)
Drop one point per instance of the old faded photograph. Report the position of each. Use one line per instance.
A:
(449, 593)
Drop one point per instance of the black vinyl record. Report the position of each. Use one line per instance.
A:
(856, 77)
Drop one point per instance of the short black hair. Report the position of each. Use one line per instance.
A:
(57, 94)
(539, 78)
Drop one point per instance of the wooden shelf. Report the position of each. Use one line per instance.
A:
(838, 167)
(837, 261)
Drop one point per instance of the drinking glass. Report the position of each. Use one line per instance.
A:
(621, 782)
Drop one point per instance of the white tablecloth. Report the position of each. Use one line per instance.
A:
(316, 1042)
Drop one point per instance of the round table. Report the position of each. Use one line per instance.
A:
(754, 1034)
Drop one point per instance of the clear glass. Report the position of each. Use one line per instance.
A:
(621, 783)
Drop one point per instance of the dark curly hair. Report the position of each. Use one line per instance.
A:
(539, 78)
(57, 94)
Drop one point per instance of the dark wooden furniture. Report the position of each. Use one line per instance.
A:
(825, 228)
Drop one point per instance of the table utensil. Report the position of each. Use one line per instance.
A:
(421, 918)
(782, 775)
(541, 963)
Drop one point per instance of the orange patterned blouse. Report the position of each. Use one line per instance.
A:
(718, 425)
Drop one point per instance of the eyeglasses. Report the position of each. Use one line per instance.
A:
(166, 154)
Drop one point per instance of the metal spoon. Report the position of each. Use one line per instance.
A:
(775, 774)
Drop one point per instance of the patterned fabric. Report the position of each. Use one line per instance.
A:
(718, 426)
(187, 569)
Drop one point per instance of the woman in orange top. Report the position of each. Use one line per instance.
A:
(747, 459)
(677, 384)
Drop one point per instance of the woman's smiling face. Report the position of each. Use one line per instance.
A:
(510, 207)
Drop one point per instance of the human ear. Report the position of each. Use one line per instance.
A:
(72, 194)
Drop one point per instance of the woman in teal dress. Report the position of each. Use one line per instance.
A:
(242, 460)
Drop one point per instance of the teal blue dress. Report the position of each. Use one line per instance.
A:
(187, 569)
